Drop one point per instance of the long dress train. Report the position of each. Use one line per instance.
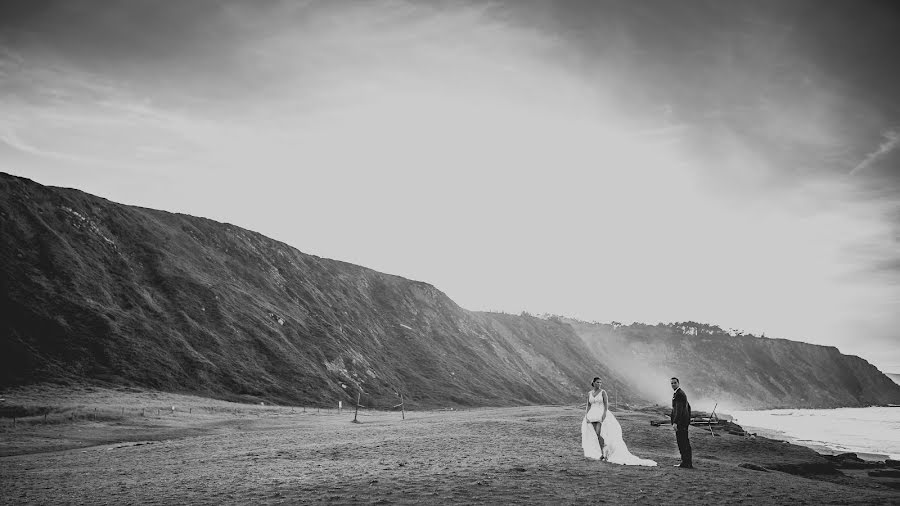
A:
(616, 449)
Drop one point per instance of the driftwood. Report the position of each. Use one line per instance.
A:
(696, 421)
(711, 416)
(710, 424)
(884, 473)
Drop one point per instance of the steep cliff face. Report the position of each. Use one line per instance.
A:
(98, 290)
(94, 290)
(738, 371)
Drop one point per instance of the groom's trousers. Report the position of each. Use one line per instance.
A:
(684, 446)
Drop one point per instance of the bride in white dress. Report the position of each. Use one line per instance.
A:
(613, 447)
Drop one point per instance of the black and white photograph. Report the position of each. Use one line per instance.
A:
(449, 252)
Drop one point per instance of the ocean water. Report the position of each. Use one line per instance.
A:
(859, 430)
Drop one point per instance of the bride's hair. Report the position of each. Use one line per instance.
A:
(594, 380)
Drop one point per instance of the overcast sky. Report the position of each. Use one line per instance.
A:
(735, 163)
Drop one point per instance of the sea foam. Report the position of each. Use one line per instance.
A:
(874, 430)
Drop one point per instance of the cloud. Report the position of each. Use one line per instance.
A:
(891, 142)
(646, 174)
(11, 139)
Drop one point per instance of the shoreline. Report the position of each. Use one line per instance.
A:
(868, 431)
(817, 446)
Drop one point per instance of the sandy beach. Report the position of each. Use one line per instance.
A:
(212, 452)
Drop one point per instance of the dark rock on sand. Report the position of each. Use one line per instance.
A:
(852, 461)
(885, 473)
(747, 465)
(806, 468)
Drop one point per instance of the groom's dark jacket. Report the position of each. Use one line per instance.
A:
(681, 409)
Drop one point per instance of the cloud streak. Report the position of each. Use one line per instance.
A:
(891, 143)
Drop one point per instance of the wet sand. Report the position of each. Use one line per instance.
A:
(230, 453)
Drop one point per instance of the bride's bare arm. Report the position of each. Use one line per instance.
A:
(605, 405)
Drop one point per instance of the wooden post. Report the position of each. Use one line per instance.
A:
(142, 411)
(190, 411)
(358, 395)
(402, 411)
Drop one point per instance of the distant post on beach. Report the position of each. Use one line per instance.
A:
(402, 411)
(358, 396)
(340, 407)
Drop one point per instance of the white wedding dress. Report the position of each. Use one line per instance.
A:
(616, 450)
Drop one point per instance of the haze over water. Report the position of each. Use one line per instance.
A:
(874, 430)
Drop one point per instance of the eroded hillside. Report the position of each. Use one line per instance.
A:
(92, 290)
(102, 291)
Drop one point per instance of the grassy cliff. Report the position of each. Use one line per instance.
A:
(102, 291)
(97, 291)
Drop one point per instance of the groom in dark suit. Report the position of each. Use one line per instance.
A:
(681, 419)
